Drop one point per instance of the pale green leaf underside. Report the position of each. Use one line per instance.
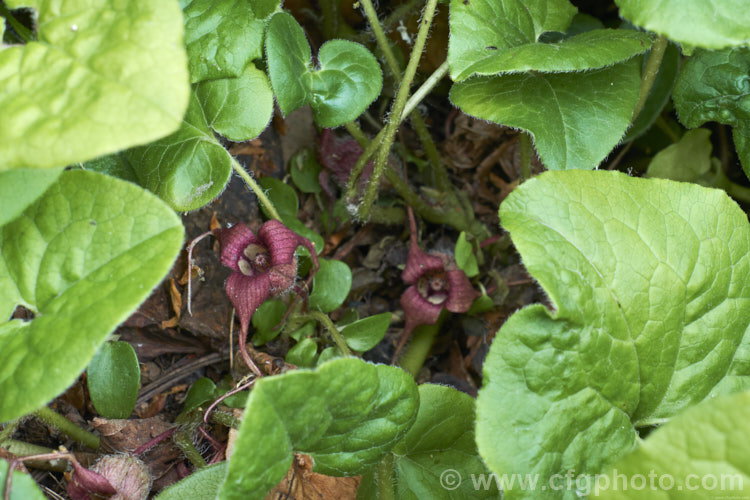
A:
(590, 50)
(237, 108)
(704, 453)
(715, 86)
(82, 258)
(347, 414)
(203, 484)
(713, 24)
(221, 36)
(346, 83)
(648, 278)
(688, 160)
(576, 118)
(550, 15)
(20, 187)
(187, 169)
(103, 76)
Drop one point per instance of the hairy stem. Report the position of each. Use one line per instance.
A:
(525, 156)
(385, 478)
(649, 73)
(185, 444)
(67, 427)
(257, 190)
(225, 418)
(324, 320)
(397, 110)
(420, 345)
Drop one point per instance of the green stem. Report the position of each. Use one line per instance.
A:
(67, 427)
(740, 193)
(185, 444)
(22, 31)
(398, 108)
(324, 320)
(259, 192)
(420, 345)
(525, 156)
(425, 89)
(385, 478)
(23, 449)
(224, 418)
(377, 30)
(668, 131)
(649, 73)
(8, 430)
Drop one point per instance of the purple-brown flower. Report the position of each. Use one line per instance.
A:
(264, 264)
(436, 283)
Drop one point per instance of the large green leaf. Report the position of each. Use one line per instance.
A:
(81, 258)
(478, 24)
(589, 50)
(576, 118)
(347, 80)
(223, 36)
(702, 453)
(437, 459)
(715, 86)
(20, 187)
(713, 24)
(347, 414)
(103, 76)
(23, 486)
(651, 304)
(187, 169)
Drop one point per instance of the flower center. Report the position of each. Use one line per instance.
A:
(255, 260)
(434, 287)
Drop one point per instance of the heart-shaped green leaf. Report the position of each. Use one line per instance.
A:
(113, 378)
(347, 414)
(364, 334)
(715, 86)
(438, 457)
(20, 187)
(223, 36)
(331, 285)
(713, 24)
(82, 258)
(576, 118)
(346, 82)
(702, 453)
(589, 50)
(187, 169)
(651, 309)
(103, 76)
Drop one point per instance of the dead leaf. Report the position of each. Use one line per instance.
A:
(301, 483)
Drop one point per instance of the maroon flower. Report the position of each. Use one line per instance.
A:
(264, 265)
(436, 283)
(338, 156)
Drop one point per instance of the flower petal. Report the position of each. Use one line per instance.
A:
(233, 241)
(282, 277)
(418, 263)
(282, 242)
(247, 293)
(460, 292)
(417, 310)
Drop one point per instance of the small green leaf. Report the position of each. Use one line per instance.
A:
(283, 197)
(346, 83)
(304, 169)
(364, 334)
(222, 36)
(202, 391)
(23, 486)
(102, 76)
(331, 285)
(265, 319)
(347, 414)
(438, 457)
(306, 330)
(483, 304)
(465, 258)
(576, 118)
(202, 484)
(701, 453)
(650, 309)
(113, 378)
(589, 50)
(20, 187)
(303, 354)
(713, 24)
(328, 354)
(187, 169)
(237, 108)
(715, 86)
(688, 160)
(82, 258)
